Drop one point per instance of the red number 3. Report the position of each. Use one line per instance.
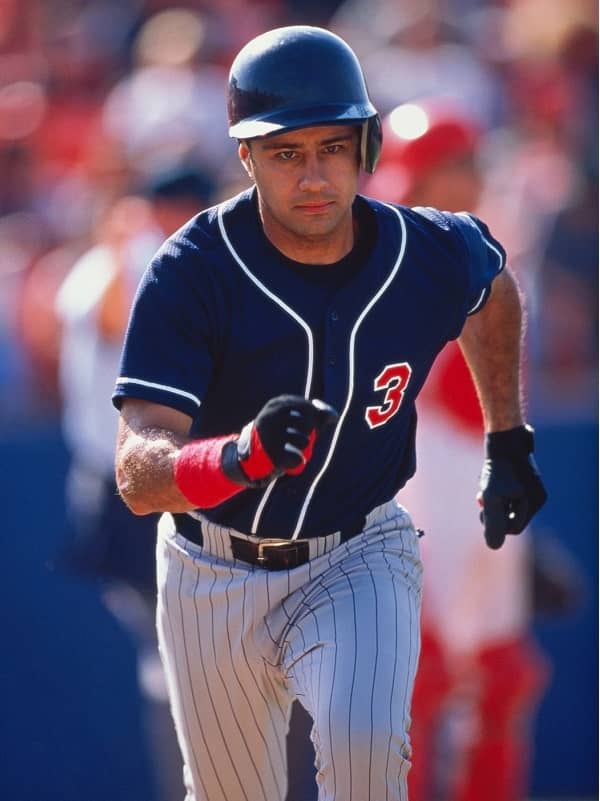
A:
(394, 378)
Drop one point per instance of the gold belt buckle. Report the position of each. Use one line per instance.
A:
(270, 543)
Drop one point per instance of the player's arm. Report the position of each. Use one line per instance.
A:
(160, 469)
(149, 438)
(491, 344)
(511, 490)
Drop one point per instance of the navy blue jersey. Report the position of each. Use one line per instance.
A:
(222, 322)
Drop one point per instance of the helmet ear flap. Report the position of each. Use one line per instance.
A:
(371, 140)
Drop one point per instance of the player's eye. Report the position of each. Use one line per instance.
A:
(333, 148)
(286, 155)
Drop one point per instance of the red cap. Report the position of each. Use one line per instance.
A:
(416, 138)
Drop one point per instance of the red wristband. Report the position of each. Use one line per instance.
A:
(198, 474)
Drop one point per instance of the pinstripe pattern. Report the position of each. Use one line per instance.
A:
(340, 633)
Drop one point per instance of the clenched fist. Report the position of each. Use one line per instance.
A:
(279, 440)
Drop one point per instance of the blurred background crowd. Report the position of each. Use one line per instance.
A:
(113, 132)
(98, 98)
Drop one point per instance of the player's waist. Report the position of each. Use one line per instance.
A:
(266, 552)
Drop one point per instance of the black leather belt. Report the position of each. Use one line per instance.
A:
(268, 553)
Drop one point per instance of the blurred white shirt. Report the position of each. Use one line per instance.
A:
(89, 364)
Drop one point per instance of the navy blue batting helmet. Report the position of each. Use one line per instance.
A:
(296, 77)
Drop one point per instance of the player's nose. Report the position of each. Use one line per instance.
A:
(313, 177)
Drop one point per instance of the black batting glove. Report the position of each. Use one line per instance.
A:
(510, 489)
(279, 440)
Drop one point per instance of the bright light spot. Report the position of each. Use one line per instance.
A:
(409, 121)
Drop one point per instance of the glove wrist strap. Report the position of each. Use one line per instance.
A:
(505, 444)
(231, 466)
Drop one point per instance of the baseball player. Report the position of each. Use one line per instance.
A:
(476, 652)
(274, 353)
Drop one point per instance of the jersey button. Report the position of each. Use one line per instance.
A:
(334, 316)
(331, 361)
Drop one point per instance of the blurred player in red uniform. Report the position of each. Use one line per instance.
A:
(480, 676)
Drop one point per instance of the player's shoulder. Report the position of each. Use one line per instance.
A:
(438, 221)
(423, 218)
(431, 232)
(199, 242)
(463, 230)
(462, 223)
(199, 235)
(425, 228)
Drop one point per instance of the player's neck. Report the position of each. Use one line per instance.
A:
(325, 248)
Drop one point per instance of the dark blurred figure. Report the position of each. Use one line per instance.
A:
(108, 544)
(567, 358)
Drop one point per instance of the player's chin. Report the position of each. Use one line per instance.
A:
(314, 229)
(308, 218)
(323, 222)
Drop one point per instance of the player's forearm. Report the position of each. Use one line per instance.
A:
(145, 470)
(491, 343)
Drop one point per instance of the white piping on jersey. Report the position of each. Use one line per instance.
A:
(497, 252)
(479, 301)
(307, 330)
(489, 244)
(152, 385)
(351, 357)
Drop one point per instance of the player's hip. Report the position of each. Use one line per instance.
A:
(199, 538)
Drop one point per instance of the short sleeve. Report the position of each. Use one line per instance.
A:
(170, 345)
(485, 258)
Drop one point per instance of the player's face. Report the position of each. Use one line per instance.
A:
(306, 181)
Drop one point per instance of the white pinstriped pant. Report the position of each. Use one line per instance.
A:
(340, 633)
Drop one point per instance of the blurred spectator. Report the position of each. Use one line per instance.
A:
(21, 243)
(567, 338)
(109, 544)
(170, 106)
(310, 12)
(542, 185)
(38, 329)
(21, 57)
(415, 49)
(480, 676)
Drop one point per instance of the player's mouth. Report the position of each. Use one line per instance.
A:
(315, 208)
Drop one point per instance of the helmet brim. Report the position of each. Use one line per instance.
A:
(290, 119)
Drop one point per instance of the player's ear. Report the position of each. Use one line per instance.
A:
(245, 156)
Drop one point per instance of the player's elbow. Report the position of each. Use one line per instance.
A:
(136, 505)
(133, 500)
(128, 488)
